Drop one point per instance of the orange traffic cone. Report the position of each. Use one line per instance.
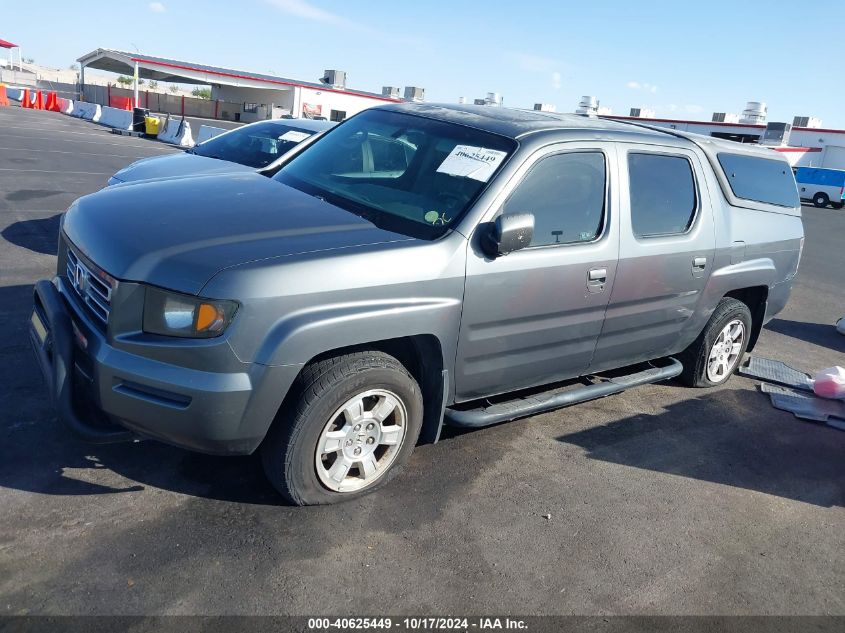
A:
(25, 102)
(52, 102)
(39, 101)
(4, 97)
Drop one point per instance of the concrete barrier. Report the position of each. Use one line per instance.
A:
(65, 106)
(207, 131)
(87, 111)
(177, 132)
(116, 118)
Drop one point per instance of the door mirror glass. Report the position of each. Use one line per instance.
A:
(510, 232)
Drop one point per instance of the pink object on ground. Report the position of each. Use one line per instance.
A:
(830, 383)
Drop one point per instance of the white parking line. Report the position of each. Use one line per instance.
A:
(58, 151)
(41, 138)
(57, 172)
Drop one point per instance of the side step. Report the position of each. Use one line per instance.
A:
(540, 403)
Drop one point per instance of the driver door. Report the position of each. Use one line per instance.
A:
(534, 316)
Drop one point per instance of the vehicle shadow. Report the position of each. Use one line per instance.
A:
(824, 335)
(40, 235)
(729, 437)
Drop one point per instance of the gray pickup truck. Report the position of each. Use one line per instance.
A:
(417, 265)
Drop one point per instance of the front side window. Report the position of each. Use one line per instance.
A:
(255, 145)
(566, 195)
(663, 198)
(404, 173)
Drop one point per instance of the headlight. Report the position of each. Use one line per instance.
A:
(173, 314)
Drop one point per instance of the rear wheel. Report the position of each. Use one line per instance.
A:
(719, 349)
(353, 425)
(821, 200)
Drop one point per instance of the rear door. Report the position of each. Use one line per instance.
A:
(534, 316)
(666, 249)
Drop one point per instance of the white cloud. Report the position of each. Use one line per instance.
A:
(636, 85)
(533, 63)
(556, 80)
(307, 11)
(157, 7)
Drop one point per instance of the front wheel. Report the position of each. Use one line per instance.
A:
(353, 424)
(718, 350)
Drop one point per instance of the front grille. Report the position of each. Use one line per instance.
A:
(91, 284)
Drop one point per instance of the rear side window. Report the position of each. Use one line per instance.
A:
(565, 193)
(760, 179)
(663, 200)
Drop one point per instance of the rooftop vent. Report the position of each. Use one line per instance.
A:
(588, 106)
(390, 91)
(413, 93)
(755, 113)
(334, 78)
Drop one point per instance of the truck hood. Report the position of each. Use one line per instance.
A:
(179, 233)
(174, 165)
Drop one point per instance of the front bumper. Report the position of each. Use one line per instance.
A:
(105, 394)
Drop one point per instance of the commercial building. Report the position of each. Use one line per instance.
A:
(242, 95)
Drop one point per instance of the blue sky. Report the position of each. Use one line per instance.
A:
(682, 59)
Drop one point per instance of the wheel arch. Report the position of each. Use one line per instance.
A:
(755, 297)
(422, 355)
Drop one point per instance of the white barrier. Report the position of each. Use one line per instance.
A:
(177, 132)
(87, 111)
(65, 106)
(116, 118)
(207, 131)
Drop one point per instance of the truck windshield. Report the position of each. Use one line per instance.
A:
(404, 173)
(253, 145)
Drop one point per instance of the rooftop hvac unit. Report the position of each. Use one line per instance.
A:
(588, 106)
(479, 102)
(412, 93)
(725, 117)
(462, 100)
(334, 78)
(642, 113)
(755, 113)
(390, 92)
(776, 134)
(806, 121)
(493, 98)
(544, 107)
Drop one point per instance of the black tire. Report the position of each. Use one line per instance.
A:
(821, 200)
(288, 452)
(696, 356)
(837, 205)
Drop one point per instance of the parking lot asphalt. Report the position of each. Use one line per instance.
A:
(662, 500)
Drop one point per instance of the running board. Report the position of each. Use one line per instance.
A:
(540, 403)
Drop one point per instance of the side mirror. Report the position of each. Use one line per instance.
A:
(509, 233)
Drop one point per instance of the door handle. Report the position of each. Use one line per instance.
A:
(596, 278)
(598, 275)
(699, 263)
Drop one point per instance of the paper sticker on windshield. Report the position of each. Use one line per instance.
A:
(477, 163)
(294, 136)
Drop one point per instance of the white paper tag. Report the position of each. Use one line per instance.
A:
(477, 163)
(294, 136)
